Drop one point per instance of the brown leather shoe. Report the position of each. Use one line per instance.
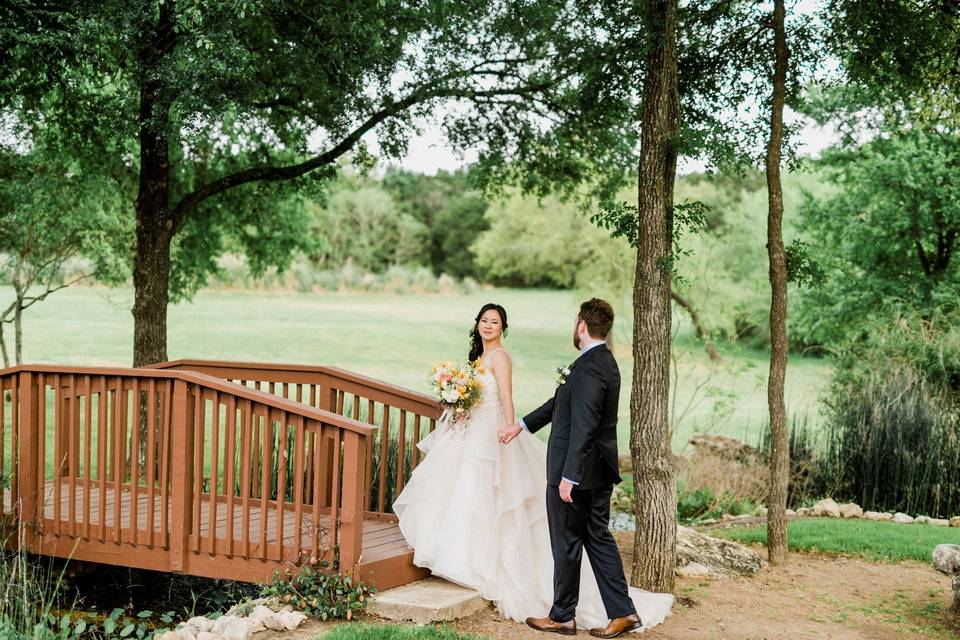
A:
(548, 625)
(618, 626)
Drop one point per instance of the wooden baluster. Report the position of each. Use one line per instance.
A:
(230, 464)
(183, 439)
(73, 424)
(135, 462)
(3, 436)
(199, 438)
(336, 473)
(41, 506)
(119, 453)
(266, 463)
(282, 421)
(103, 409)
(401, 451)
(87, 454)
(151, 461)
(246, 428)
(166, 439)
(384, 457)
(214, 473)
(298, 473)
(57, 453)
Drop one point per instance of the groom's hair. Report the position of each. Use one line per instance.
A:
(598, 314)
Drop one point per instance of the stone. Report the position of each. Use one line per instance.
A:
(693, 570)
(946, 559)
(261, 613)
(206, 635)
(955, 521)
(186, 633)
(878, 516)
(826, 508)
(424, 601)
(791, 513)
(290, 620)
(938, 522)
(803, 512)
(902, 518)
(232, 627)
(921, 520)
(851, 510)
(721, 557)
(200, 623)
(169, 635)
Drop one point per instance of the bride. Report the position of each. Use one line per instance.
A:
(474, 510)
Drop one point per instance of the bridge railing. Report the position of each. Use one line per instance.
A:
(177, 470)
(401, 417)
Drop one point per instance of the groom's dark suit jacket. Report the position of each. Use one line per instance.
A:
(583, 440)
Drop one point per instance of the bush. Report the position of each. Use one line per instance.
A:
(319, 589)
(695, 504)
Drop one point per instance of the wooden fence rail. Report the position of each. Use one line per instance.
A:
(176, 468)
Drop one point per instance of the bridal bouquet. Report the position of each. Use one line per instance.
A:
(457, 388)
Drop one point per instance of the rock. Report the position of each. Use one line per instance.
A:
(206, 635)
(826, 508)
(851, 510)
(232, 627)
(946, 559)
(803, 512)
(693, 570)
(290, 620)
(200, 624)
(261, 613)
(878, 516)
(902, 518)
(721, 557)
(791, 513)
(186, 633)
(169, 635)
(938, 522)
(921, 520)
(955, 521)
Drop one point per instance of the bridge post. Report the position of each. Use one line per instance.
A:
(29, 468)
(354, 499)
(327, 402)
(182, 438)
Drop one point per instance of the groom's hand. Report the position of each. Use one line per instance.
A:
(565, 488)
(508, 433)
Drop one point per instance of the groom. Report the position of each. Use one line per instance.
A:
(581, 471)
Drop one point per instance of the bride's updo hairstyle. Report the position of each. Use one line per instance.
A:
(476, 342)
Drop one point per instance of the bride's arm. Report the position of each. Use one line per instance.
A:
(503, 373)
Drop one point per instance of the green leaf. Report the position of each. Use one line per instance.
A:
(127, 630)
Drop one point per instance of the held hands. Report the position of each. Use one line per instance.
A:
(508, 433)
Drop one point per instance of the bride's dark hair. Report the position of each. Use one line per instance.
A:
(476, 342)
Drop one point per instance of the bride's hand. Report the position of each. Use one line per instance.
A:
(508, 433)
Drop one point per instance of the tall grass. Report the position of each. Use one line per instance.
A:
(892, 444)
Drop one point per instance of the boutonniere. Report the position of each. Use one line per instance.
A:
(562, 373)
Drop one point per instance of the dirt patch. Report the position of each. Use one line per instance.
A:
(812, 597)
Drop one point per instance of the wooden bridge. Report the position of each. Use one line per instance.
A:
(217, 469)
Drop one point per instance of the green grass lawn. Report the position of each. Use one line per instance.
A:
(884, 541)
(398, 338)
(355, 631)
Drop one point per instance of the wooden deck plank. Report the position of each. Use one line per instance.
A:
(381, 538)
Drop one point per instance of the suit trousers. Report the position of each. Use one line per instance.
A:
(575, 526)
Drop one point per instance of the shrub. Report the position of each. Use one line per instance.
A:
(319, 589)
(700, 503)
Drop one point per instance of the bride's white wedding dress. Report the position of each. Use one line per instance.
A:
(475, 513)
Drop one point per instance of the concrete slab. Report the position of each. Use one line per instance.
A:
(424, 601)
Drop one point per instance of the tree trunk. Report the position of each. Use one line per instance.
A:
(155, 228)
(19, 291)
(654, 556)
(779, 437)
